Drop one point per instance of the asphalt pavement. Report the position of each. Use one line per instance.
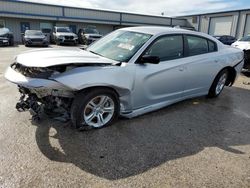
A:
(196, 143)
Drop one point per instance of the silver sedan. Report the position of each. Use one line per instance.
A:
(127, 73)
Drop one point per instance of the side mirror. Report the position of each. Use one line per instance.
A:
(150, 59)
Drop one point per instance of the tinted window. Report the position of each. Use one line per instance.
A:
(91, 31)
(167, 48)
(46, 30)
(212, 46)
(246, 38)
(63, 30)
(230, 38)
(197, 45)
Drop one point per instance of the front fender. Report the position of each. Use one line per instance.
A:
(82, 77)
(120, 78)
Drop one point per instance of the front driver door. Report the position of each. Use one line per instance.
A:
(163, 82)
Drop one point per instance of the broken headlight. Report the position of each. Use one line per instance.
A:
(38, 72)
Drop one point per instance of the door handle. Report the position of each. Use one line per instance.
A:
(216, 61)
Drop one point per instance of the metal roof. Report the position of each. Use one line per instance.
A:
(211, 13)
(102, 10)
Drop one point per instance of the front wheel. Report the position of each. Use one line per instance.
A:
(95, 108)
(218, 84)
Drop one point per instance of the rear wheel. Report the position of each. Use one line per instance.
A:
(95, 108)
(218, 84)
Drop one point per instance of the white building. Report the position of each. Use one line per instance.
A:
(18, 16)
(235, 23)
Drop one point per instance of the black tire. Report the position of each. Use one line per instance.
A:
(11, 43)
(83, 98)
(212, 91)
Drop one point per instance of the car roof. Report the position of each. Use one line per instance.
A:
(153, 30)
(161, 30)
(223, 36)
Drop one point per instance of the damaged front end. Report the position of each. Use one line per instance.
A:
(51, 104)
(39, 93)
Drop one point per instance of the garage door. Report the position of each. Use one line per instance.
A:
(221, 25)
(247, 27)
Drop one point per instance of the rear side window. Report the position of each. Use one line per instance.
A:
(197, 45)
(167, 48)
(211, 46)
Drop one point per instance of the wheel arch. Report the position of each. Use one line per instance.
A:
(231, 75)
(123, 94)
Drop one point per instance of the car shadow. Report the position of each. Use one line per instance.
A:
(133, 146)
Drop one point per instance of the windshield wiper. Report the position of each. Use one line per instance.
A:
(95, 53)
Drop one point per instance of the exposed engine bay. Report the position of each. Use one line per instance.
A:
(50, 102)
(53, 102)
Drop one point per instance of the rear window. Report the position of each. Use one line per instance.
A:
(211, 46)
(197, 45)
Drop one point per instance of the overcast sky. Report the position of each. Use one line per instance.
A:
(156, 7)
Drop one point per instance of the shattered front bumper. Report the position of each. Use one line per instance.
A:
(38, 93)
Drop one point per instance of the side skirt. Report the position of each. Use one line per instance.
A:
(157, 106)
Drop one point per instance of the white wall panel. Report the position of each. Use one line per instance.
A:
(247, 26)
(204, 24)
(131, 18)
(179, 22)
(221, 25)
(30, 8)
(91, 14)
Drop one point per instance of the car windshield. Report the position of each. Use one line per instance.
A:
(46, 30)
(3, 31)
(246, 38)
(120, 45)
(63, 30)
(30, 32)
(91, 31)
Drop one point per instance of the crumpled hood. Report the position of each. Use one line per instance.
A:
(241, 45)
(52, 57)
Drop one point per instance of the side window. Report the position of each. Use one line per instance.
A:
(197, 45)
(167, 48)
(212, 46)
